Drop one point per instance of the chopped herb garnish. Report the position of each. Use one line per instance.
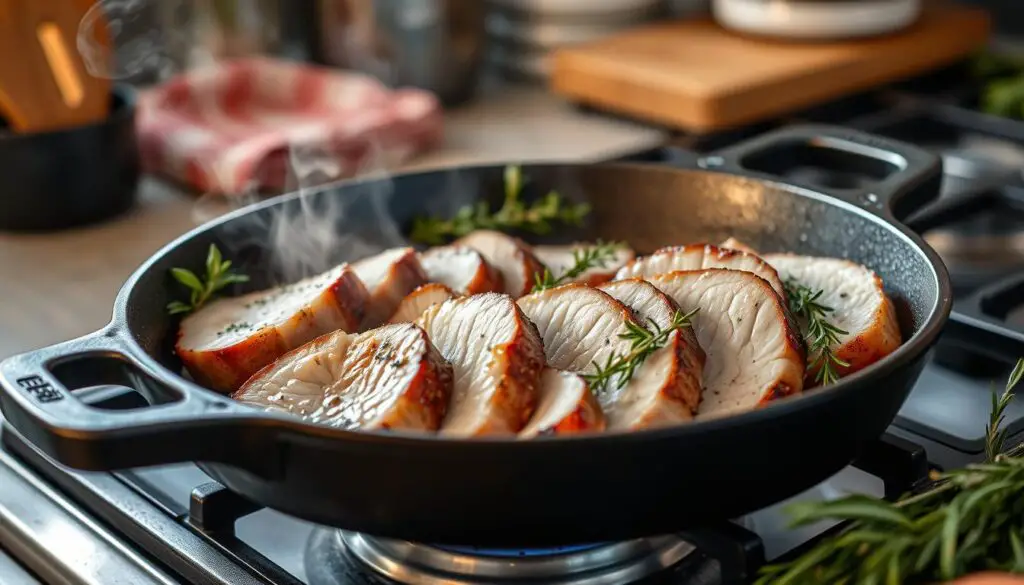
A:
(821, 335)
(218, 276)
(583, 259)
(537, 217)
(618, 369)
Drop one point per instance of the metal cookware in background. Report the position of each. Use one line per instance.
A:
(502, 491)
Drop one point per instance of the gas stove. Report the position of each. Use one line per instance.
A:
(172, 525)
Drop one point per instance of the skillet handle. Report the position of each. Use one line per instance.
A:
(185, 424)
(914, 181)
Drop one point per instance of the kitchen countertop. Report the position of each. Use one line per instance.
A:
(61, 285)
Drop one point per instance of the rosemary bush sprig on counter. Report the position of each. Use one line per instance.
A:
(822, 336)
(218, 276)
(537, 217)
(583, 259)
(970, 520)
(618, 369)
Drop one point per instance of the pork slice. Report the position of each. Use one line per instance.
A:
(753, 353)
(560, 259)
(861, 307)
(389, 276)
(390, 378)
(419, 300)
(565, 407)
(700, 257)
(684, 359)
(582, 328)
(497, 358)
(461, 269)
(734, 244)
(512, 258)
(229, 339)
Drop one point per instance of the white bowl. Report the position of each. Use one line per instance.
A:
(809, 19)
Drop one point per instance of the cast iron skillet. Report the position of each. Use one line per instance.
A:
(522, 493)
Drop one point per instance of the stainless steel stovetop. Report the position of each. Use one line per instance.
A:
(172, 525)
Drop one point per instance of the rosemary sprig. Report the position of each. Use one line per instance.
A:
(970, 520)
(537, 217)
(618, 369)
(218, 275)
(583, 259)
(821, 335)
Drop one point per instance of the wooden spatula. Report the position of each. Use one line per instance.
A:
(44, 84)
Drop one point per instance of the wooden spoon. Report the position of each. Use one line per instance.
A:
(44, 84)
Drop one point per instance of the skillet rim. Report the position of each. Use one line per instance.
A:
(920, 342)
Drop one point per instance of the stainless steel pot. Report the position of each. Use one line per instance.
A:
(436, 45)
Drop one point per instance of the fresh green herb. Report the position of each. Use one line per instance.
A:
(536, 217)
(1002, 79)
(218, 275)
(821, 335)
(969, 520)
(618, 369)
(583, 259)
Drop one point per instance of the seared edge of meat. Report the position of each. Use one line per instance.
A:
(511, 257)
(390, 378)
(560, 258)
(497, 356)
(861, 307)
(734, 244)
(565, 406)
(462, 269)
(686, 358)
(389, 276)
(228, 340)
(744, 329)
(701, 257)
(419, 300)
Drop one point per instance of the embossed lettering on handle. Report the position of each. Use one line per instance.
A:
(40, 389)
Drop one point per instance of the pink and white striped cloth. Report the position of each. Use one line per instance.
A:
(228, 129)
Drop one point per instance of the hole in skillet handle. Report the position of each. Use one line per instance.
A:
(883, 176)
(100, 427)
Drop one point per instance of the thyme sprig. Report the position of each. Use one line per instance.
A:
(618, 369)
(537, 217)
(821, 336)
(583, 259)
(969, 520)
(218, 276)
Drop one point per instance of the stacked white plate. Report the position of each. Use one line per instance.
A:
(524, 32)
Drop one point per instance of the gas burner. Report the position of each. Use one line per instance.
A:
(410, 563)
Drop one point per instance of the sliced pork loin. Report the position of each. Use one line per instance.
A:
(229, 339)
(389, 276)
(461, 269)
(419, 300)
(560, 258)
(734, 244)
(390, 378)
(565, 406)
(860, 306)
(581, 326)
(753, 353)
(512, 257)
(685, 359)
(700, 257)
(497, 358)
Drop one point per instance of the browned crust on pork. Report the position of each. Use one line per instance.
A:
(227, 368)
(411, 300)
(516, 393)
(404, 274)
(528, 262)
(879, 340)
(425, 402)
(734, 244)
(485, 279)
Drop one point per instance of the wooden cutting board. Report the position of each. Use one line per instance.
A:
(696, 76)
